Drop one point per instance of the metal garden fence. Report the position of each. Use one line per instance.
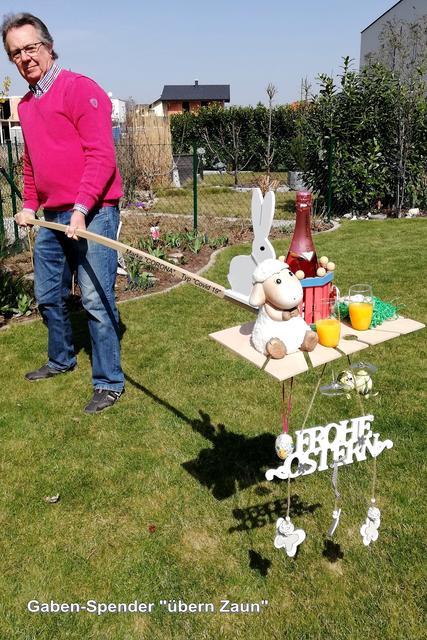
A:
(157, 181)
(10, 191)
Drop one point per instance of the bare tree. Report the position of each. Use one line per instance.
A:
(271, 91)
(403, 48)
(305, 89)
(226, 141)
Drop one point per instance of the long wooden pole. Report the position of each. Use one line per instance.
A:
(158, 263)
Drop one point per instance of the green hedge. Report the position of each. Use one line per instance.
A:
(237, 136)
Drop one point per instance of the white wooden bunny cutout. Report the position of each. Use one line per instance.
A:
(242, 267)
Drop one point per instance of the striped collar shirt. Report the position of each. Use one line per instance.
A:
(46, 82)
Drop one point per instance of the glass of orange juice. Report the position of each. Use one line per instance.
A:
(328, 322)
(360, 306)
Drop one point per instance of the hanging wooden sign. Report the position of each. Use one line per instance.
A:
(319, 448)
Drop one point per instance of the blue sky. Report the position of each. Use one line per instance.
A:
(133, 48)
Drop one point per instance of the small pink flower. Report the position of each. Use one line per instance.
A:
(155, 233)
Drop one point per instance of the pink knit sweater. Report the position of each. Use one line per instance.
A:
(69, 152)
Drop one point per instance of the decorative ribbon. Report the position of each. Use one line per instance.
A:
(335, 480)
(286, 414)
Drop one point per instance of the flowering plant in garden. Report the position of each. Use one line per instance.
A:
(138, 205)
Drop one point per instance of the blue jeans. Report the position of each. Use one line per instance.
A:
(56, 257)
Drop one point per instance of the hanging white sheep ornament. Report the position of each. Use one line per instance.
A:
(279, 328)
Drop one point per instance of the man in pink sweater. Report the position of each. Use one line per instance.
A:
(70, 173)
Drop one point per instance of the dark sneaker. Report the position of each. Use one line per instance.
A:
(45, 372)
(102, 399)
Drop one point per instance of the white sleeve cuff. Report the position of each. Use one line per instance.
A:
(80, 207)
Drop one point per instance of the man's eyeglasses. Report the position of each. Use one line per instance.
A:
(30, 50)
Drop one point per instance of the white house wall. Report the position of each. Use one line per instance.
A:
(118, 113)
(158, 109)
(404, 11)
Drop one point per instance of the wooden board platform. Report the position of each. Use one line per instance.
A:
(237, 339)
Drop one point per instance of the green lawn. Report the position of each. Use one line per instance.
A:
(217, 198)
(186, 449)
(244, 177)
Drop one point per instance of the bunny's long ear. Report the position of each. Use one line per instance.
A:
(257, 297)
(256, 208)
(267, 212)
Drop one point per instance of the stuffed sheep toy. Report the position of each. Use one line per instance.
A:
(279, 328)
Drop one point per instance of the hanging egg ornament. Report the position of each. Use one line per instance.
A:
(284, 445)
(323, 261)
(321, 271)
(330, 266)
(300, 274)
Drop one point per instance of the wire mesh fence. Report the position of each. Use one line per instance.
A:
(11, 154)
(161, 176)
(158, 181)
(155, 180)
(16, 150)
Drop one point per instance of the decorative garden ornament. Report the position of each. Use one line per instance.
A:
(242, 267)
(359, 381)
(369, 530)
(341, 443)
(287, 537)
(336, 514)
(279, 328)
(356, 378)
(284, 445)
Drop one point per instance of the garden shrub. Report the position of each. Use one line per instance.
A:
(15, 294)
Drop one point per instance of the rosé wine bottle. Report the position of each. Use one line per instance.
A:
(302, 254)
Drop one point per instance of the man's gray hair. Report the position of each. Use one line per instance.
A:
(16, 20)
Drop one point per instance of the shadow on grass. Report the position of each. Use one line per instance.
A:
(234, 462)
(332, 551)
(81, 336)
(259, 515)
(258, 563)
